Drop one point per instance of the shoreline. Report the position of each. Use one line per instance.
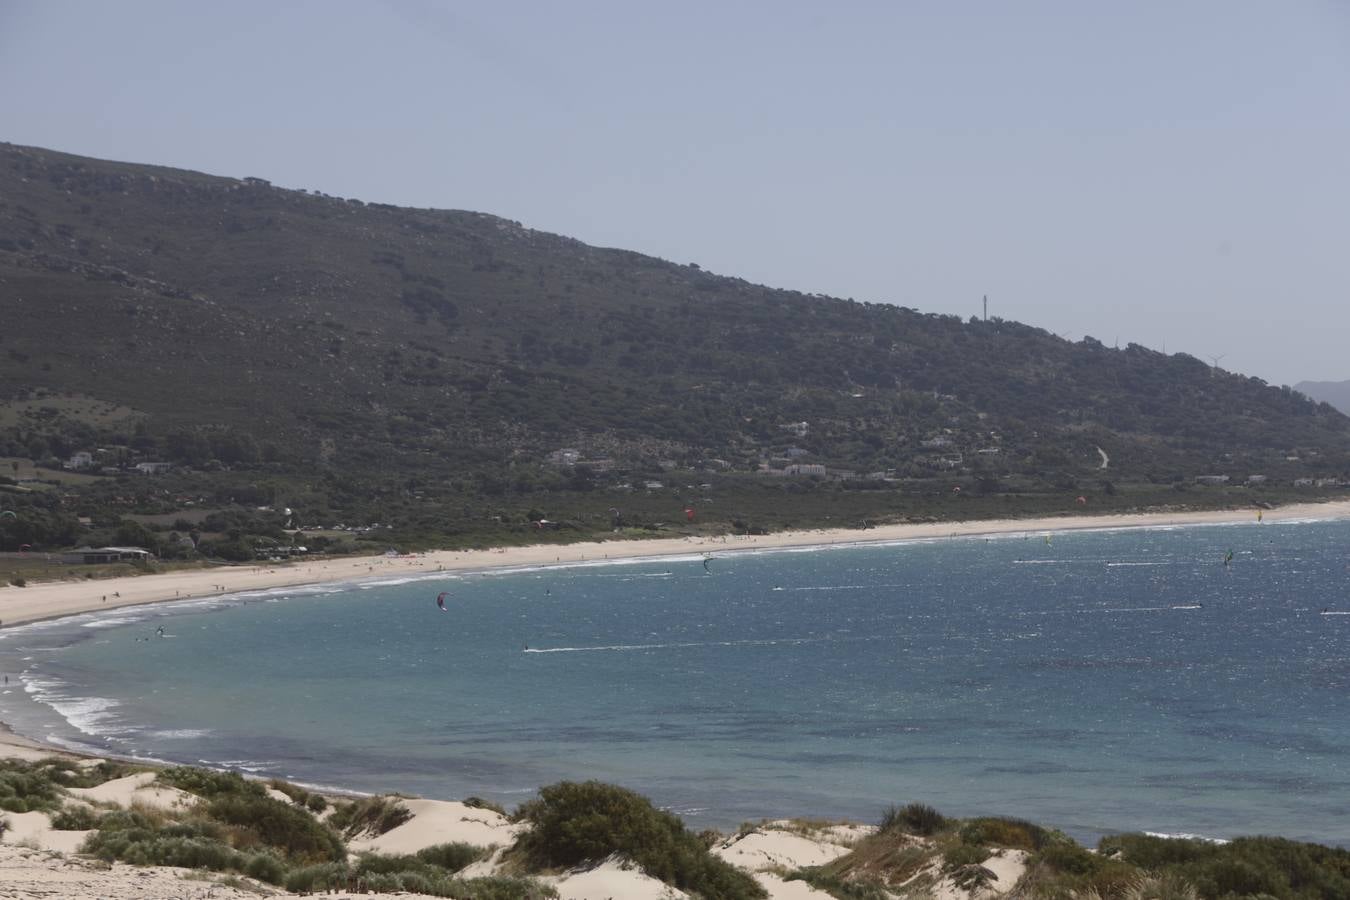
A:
(59, 599)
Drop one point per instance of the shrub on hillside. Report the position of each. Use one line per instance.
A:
(289, 829)
(25, 787)
(322, 877)
(1243, 867)
(451, 857)
(916, 818)
(575, 823)
(960, 855)
(501, 887)
(1064, 869)
(1000, 832)
(208, 782)
(75, 818)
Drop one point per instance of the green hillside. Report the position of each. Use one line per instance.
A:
(425, 367)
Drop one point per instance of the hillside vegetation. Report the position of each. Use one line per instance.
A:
(451, 373)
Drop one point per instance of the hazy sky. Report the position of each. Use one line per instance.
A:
(1170, 173)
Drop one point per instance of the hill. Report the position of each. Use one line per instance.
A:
(451, 372)
(1336, 393)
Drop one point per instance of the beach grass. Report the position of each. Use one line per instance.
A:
(368, 815)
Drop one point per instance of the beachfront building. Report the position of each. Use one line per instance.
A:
(102, 555)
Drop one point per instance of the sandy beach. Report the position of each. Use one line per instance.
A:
(51, 600)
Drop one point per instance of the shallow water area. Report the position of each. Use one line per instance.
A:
(1123, 679)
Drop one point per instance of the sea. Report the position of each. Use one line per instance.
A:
(1174, 680)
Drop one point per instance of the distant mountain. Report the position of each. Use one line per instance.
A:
(224, 324)
(1337, 393)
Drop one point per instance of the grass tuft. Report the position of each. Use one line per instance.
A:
(916, 818)
(369, 815)
(480, 803)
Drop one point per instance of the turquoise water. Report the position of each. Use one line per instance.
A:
(1098, 681)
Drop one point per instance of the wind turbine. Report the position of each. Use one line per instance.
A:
(1215, 360)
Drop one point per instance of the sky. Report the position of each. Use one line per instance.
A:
(1172, 173)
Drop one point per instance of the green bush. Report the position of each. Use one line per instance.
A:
(278, 824)
(575, 823)
(82, 776)
(208, 782)
(916, 818)
(323, 877)
(316, 803)
(75, 818)
(369, 815)
(451, 857)
(24, 789)
(146, 846)
(1150, 852)
(1000, 832)
(960, 855)
(1070, 859)
(1243, 867)
(500, 887)
(265, 867)
(1072, 870)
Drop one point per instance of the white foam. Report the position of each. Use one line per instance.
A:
(760, 642)
(113, 621)
(251, 766)
(95, 716)
(1185, 836)
(174, 734)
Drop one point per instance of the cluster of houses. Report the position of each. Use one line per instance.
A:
(86, 461)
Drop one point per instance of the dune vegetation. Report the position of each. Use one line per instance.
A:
(246, 832)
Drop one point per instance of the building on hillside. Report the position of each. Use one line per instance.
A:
(1256, 479)
(566, 457)
(153, 468)
(102, 555)
(82, 460)
(805, 469)
(1211, 479)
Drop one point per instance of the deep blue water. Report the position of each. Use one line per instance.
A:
(1095, 682)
